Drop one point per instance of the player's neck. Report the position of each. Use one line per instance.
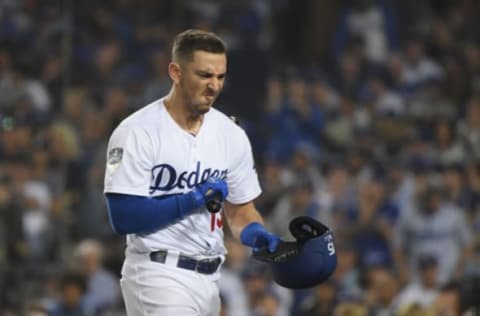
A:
(180, 114)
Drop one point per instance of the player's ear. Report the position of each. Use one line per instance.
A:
(174, 71)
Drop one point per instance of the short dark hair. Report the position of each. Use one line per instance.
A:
(189, 41)
(74, 278)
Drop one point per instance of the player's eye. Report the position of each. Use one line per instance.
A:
(204, 74)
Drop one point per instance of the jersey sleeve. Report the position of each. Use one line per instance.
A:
(242, 178)
(129, 162)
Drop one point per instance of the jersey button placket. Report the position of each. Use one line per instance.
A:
(194, 154)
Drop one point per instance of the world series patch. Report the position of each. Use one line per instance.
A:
(115, 155)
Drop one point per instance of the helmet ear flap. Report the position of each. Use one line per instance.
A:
(304, 228)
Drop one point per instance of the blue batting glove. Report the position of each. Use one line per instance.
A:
(257, 237)
(211, 189)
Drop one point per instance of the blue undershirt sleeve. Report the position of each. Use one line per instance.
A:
(131, 214)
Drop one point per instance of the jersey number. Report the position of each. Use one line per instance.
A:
(215, 222)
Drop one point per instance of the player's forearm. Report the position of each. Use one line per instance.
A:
(239, 216)
(131, 214)
(246, 225)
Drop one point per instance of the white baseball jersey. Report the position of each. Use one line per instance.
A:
(149, 154)
(443, 232)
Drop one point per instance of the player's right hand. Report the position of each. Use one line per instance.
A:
(211, 189)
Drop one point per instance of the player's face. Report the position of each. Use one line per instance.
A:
(202, 80)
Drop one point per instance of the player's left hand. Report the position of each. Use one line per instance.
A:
(256, 236)
(266, 240)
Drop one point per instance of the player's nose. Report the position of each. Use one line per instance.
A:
(214, 85)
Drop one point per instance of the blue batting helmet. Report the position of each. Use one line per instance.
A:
(306, 262)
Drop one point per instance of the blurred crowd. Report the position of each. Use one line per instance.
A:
(363, 114)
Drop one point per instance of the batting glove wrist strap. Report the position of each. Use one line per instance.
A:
(257, 237)
(198, 199)
(211, 189)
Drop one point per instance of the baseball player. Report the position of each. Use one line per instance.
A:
(166, 163)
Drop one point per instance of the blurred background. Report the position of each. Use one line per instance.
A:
(363, 114)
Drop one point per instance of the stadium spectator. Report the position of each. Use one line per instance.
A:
(432, 228)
